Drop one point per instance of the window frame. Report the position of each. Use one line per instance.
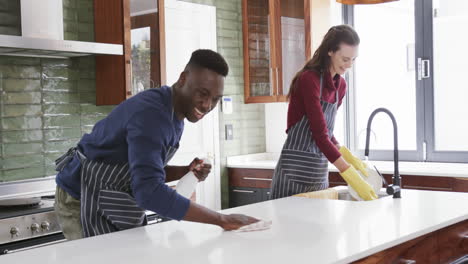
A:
(425, 125)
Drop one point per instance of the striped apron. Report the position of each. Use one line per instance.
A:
(107, 202)
(302, 167)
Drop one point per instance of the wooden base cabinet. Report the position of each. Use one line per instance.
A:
(248, 186)
(447, 245)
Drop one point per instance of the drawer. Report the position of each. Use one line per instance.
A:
(254, 178)
(427, 183)
(460, 184)
(239, 196)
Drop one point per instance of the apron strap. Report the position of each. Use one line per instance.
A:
(63, 160)
(336, 95)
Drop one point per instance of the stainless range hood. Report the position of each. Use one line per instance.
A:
(51, 48)
(42, 35)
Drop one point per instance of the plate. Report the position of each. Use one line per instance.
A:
(373, 179)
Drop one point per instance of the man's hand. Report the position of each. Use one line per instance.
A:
(200, 169)
(236, 221)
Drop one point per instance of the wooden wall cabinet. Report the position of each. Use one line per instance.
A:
(277, 43)
(113, 24)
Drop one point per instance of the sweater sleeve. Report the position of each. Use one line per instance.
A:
(147, 142)
(309, 87)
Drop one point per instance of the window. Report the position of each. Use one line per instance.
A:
(410, 62)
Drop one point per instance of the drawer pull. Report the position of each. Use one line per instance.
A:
(256, 179)
(427, 188)
(243, 191)
(464, 242)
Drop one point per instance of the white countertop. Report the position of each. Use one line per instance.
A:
(303, 231)
(269, 160)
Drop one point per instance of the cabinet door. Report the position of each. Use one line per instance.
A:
(276, 36)
(242, 196)
(293, 42)
(145, 50)
(258, 43)
(144, 45)
(453, 242)
(113, 73)
(419, 250)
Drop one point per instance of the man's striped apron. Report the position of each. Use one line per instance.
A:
(107, 202)
(302, 167)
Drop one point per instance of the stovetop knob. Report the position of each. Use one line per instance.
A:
(35, 227)
(14, 231)
(45, 225)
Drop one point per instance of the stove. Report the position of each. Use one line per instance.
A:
(28, 225)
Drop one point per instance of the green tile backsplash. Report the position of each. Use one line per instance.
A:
(46, 105)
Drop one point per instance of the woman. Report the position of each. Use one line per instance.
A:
(315, 94)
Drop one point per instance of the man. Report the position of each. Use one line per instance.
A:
(116, 172)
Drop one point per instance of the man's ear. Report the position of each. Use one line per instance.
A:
(182, 78)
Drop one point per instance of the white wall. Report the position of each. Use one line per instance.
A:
(275, 126)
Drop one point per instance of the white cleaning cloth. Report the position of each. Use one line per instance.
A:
(260, 225)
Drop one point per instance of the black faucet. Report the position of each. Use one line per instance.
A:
(394, 188)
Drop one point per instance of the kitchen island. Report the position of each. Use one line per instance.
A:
(303, 231)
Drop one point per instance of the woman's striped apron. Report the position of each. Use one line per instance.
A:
(107, 202)
(302, 167)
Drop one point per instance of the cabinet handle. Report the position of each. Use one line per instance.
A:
(407, 261)
(243, 191)
(256, 179)
(271, 82)
(464, 243)
(427, 188)
(277, 81)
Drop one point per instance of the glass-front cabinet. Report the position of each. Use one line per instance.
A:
(276, 35)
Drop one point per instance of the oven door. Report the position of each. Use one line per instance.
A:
(31, 243)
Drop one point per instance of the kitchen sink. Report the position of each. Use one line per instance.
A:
(347, 196)
(343, 193)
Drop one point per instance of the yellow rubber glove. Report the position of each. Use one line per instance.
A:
(363, 189)
(353, 160)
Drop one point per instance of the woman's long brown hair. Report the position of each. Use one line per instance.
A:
(331, 42)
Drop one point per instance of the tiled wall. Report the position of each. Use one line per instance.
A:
(248, 120)
(46, 104)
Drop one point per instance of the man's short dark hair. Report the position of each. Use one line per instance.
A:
(209, 59)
